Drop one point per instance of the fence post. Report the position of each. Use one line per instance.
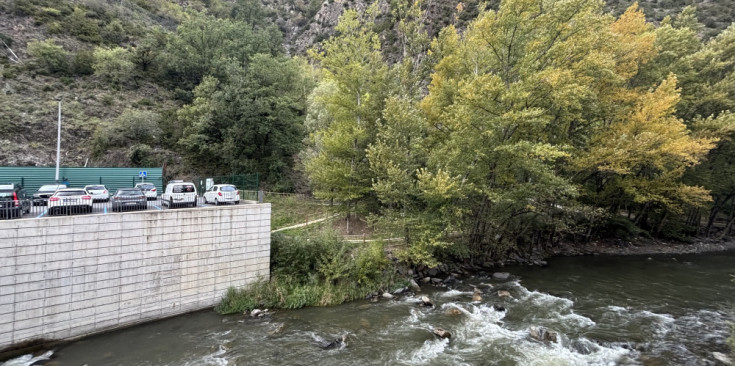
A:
(260, 196)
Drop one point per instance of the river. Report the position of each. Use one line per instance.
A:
(650, 310)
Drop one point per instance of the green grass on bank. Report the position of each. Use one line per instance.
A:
(289, 210)
(316, 269)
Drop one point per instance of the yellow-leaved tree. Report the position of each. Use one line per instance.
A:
(639, 160)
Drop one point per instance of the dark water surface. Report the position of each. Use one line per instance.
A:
(659, 310)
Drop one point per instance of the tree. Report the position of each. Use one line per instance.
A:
(203, 45)
(338, 169)
(643, 155)
(250, 122)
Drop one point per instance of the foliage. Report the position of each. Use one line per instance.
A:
(51, 57)
(352, 64)
(132, 126)
(313, 270)
(203, 45)
(251, 121)
(113, 64)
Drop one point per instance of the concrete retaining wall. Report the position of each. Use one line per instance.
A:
(65, 277)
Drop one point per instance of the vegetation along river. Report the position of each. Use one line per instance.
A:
(657, 310)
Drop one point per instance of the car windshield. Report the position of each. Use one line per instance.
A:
(50, 188)
(227, 188)
(146, 186)
(95, 188)
(184, 188)
(6, 194)
(129, 192)
(75, 192)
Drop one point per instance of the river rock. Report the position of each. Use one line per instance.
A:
(436, 280)
(387, 295)
(332, 344)
(415, 286)
(503, 293)
(477, 295)
(255, 312)
(433, 272)
(501, 275)
(722, 358)
(450, 280)
(426, 279)
(442, 333)
(499, 308)
(425, 301)
(453, 312)
(542, 334)
(400, 291)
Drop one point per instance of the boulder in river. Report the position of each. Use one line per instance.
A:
(415, 286)
(332, 344)
(542, 334)
(426, 279)
(453, 312)
(501, 275)
(387, 295)
(441, 333)
(504, 293)
(436, 280)
(425, 301)
(477, 295)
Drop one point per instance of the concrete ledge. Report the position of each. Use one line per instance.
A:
(67, 277)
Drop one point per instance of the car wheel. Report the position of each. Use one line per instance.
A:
(170, 203)
(216, 202)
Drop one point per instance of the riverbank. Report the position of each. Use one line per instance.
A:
(644, 246)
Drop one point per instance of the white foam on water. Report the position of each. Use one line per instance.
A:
(455, 293)
(428, 351)
(215, 359)
(27, 360)
(577, 320)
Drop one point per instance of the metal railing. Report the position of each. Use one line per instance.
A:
(27, 208)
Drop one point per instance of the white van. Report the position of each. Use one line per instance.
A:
(179, 193)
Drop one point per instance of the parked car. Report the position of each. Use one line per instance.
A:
(179, 193)
(222, 193)
(98, 192)
(70, 201)
(129, 199)
(13, 201)
(40, 198)
(149, 189)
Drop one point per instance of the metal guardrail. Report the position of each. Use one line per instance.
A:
(27, 209)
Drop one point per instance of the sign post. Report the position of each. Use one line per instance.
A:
(142, 174)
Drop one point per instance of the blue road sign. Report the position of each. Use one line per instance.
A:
(142, 174)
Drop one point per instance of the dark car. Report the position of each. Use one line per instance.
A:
(13, 201)
(129, 199)
(42, 195)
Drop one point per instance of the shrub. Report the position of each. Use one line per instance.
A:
(49, 56)
(114, 33)
(113, 64)
(77, 24)
(82, 63)
(315, 270)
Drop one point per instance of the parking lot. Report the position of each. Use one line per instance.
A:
(41, 211)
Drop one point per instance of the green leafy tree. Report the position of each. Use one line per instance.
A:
(250, 122)
(338, 168)
(204, 45)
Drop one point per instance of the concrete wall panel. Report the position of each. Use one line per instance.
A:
(66, 277)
